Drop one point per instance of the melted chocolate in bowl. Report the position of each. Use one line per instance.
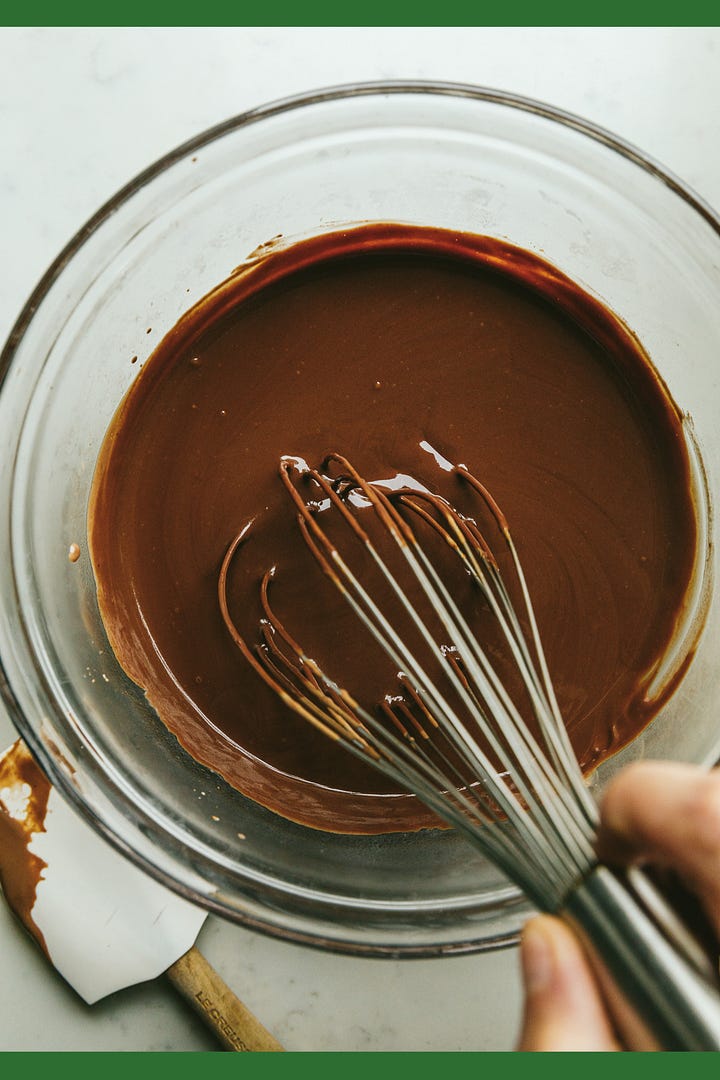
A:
(379, 342)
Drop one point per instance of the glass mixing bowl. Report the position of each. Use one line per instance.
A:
(454, 156)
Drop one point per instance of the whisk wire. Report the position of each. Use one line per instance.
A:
(554, 730)
(334, 713)
(383, 632)
(541, 692)
(534, 818)
(554, 799)
(529, 825)
(524, 749)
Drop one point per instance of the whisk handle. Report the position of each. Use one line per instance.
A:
(659, 996)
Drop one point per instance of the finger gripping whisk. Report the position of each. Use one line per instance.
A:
(472, 726)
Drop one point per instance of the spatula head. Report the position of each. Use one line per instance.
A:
(103, 923)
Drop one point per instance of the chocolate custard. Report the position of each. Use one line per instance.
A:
(381, 342)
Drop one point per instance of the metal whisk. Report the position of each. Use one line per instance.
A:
(488, 753)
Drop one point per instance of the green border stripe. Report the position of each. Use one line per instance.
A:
(368, 13)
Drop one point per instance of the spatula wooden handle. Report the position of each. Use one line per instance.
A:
(204, 990)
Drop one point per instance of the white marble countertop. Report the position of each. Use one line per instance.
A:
(83, 110)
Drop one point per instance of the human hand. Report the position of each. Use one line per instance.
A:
(661, 813)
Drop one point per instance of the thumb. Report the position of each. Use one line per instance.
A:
(563, 1009)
